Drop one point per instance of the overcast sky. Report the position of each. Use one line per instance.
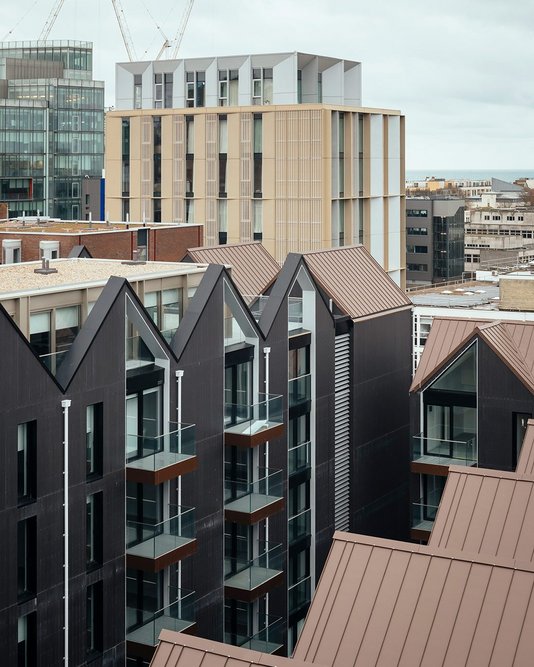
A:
(462, 73)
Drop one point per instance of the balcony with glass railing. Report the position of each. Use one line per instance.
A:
(299, 390)
(249, 425)
(144, 626)
(461, 451)
(251, 502)
(247, 579)
(299, 526)
(299, 595)
(157, 459)
(267, 635)
(137, 353)
(423, 516)
(152, 546)
(299, 458)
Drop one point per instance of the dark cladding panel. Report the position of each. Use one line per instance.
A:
(380, 464)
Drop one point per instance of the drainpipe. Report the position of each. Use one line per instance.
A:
(267, 352)
(179, 376)
(66, 405)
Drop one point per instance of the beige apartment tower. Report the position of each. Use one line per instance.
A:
(274, 148)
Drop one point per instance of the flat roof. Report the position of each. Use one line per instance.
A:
(52, 226)
(476, 294)
(19, 279)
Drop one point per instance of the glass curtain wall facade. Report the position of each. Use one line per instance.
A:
(58, 140)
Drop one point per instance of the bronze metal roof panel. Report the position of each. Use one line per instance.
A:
(447, 336)
(390, 603)
(525, 465)
(253, 267)
(176, 649)
(486, 512)
(355, 281)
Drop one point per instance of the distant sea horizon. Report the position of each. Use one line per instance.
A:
(509, 175)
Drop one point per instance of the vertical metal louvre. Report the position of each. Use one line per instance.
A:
(342, 432)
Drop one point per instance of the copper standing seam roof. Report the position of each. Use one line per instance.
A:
(253, 267)
(446, 337)
(486, 512)
(355, 281)
(512, 342)
(489, 512)
(525, 465)
(388, 604)
(181, 650)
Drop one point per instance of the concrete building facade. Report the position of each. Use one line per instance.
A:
(290, 157)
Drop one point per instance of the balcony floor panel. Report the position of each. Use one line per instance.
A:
(158, 461)
(251, 503)
(251, 428)
(251, 578)
(443, 461)
(148, 634)
(158, 546)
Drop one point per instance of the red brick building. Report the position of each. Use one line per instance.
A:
(26, 241)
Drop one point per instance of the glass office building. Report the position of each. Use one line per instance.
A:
(51, 126)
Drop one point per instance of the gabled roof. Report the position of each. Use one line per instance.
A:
(498, 185)
(381, 602)
(79, 251)
(180, 650)
(253, 267)
(355, 281)
(512, 342)
(486, 512)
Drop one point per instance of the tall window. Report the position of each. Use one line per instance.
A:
(26, 558)
(262, 85)
(223, 154)
(190, 156)
(156, 191)
(257, 210)
(228, 87)
(258, 157)
(93, 525)
(138, 91)
(26, 636)
(195, 89)
(26, 464)
(223, 221)
(167, 90)
(94, 431)
(158, 91)
(93, 618)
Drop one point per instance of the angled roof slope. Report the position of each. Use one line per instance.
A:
(181, 650)
(512, 342)
(486, 512)
(355, 281)
(388, 603)
(253, 267)
(525, 465)
(489, 512)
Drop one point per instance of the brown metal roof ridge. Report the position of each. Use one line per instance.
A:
(445, 340)
(177, 649)
(355, 281)
(253, 268)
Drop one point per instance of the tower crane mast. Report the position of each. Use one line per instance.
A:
(51, 20)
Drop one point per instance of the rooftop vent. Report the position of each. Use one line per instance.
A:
(45, 267)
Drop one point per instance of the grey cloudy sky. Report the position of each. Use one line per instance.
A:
(460, 72)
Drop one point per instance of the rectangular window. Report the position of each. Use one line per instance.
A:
(417, 249)
(67, 327)
(228, 87)
(26, 461)
(27, 640)
(40, 332)
(93, 618)
(138, 91)
(416, 213)
(93, 525)
(257, 209)
(168, 83)
(417, 267)
(223, 221)
(158, 91)
(417, 231)
(94, 435)
(26, 558)
(195, 89)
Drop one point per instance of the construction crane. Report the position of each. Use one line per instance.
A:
(181, 29)
(125, 31)
(51, 20)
